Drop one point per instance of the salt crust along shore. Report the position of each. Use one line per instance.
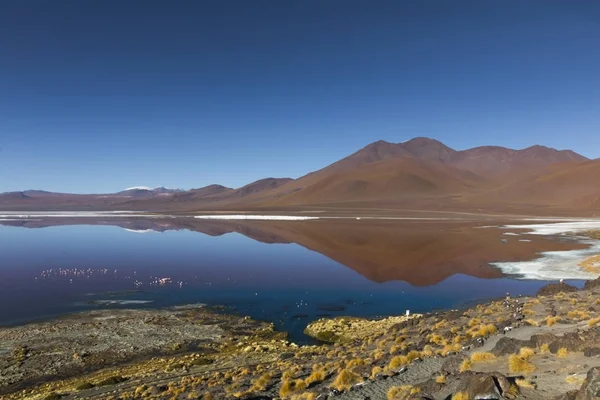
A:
(258, 217)
(552, 265)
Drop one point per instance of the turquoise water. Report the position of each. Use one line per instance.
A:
(55, 270)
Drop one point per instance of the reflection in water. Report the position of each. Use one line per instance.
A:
(79, 264)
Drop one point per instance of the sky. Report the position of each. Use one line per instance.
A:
(101, 95)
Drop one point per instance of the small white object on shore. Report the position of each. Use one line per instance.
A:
(407, 313)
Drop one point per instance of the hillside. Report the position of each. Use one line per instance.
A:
(418, 174)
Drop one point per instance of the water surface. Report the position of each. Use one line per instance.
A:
(286, 272)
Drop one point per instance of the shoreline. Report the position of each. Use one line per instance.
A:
(382, 353)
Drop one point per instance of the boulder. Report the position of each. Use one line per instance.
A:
(555, 288)
(592, 284)
(508, 346)
(590, 389)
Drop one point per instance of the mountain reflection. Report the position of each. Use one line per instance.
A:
(420, 252)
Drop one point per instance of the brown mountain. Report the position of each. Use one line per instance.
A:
(417, 174)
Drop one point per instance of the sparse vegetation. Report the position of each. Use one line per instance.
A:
(518, 365)
(345, 379)
(562, 352)
(440, 379)
(460, 396)
(466, 365)
(479, 357)
(526, 353)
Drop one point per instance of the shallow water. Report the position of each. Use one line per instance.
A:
(289, 273)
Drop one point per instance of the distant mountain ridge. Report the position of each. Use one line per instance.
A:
(420, 173)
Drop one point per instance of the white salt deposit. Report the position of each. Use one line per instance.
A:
(258, 217)
(554, 265)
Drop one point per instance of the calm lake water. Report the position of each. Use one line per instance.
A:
(261, 272)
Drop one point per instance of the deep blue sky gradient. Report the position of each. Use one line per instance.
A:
(96, 96)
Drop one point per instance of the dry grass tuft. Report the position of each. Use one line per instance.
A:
(578, 315)
(552, 320)
(399, 392)
(526, 353)
(524, 383)
(562, 352)
(460, 396)
(483, 330)
(345, 380)
(574, 380)
(593, 322)
(440, 379)
(517, 365)
(480, 357)
(544, 348)
(398, 361)
(466, 365)
(532, 322)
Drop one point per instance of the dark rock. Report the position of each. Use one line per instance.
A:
(508, 346)
(484, 387)
(567, 396)
(591, 351)
(594, 283)
(452, 364)
(555, 288)
(590, 389)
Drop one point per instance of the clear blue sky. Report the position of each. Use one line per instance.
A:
(96, 96)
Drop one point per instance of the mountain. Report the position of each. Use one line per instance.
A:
(420, 173)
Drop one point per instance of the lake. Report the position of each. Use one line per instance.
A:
(287, 272)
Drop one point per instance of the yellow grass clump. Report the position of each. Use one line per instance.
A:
(398, 361)
(483, 330)
(552, 320)
(526, 353)
(460, 396)
(261, 383)
(532, 322)
(345, 380)
(480, 357)
(304, 396)
(574, 380)
(524, 383)
(517, 365)
(288, 387)
(593, 322)
(375, 371)
(316, 376)
(402, 392)
(578, 315)
(466, 365)
(562, 352)
(544, 348)
(440, 379)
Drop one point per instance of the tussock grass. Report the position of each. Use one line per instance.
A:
(574, 380)
(562, 352)
(398, 361)
(402, 392)
(544, 348)
(289, 386)
(304, 396)
(552, 320)
(480, 357)
(526, 353)
(345, 380)
(316, 377)
(532, 322)
(578, 315)
(460, 396)
(524, 383)
(517, 365)
(483, 330)
(593, 322)
(440, 379)
(466, 365)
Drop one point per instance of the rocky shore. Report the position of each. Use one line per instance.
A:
(542, 347)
